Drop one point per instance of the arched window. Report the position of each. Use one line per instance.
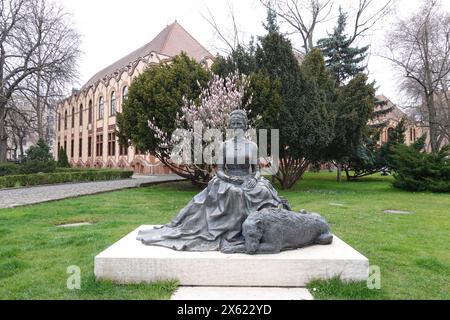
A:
(90, 112)
(73, 117)
(112, 110)
(390, 134)
(100, 108)
(59, 123)
(124, 93)
(81, 115)
(65, 119)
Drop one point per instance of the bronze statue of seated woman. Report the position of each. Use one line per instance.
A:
(213, 219)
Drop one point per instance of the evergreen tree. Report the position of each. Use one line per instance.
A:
(370, 158)
(63, 161)
(304, 117)
(38, 159)
(417, 170)
(241, 59)
(157, 95)
(343, 61)
(271, 24)
(296, 100)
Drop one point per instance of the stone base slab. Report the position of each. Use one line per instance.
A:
(129, 261)
(241, 293)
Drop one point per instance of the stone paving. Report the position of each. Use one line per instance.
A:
(10, 198)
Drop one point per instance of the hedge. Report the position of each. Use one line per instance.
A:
(7, 169)
(62, 177)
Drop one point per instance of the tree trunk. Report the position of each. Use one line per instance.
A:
(290, 172)
(347, 174)
(434, 136)
(39, 112)
(339, 172)
(3, 135)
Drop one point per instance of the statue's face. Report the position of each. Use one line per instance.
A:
(237, 123)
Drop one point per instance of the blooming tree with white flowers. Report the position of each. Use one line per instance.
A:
(202, 124)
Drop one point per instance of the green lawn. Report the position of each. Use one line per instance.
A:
(413, 251)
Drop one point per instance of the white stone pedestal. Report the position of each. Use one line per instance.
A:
(129, 261)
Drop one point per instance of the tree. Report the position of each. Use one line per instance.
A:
(230, 37)
(416, 170)
(34, 39)
(343, 61)
(202, 120)
(19, 125)
(38, 159)
(419, 47)
(296, 100)
(63, 161)
(158, 95)
(354, 106)
(304, 116)
(355, 102)
(370, 158)
(304, 17)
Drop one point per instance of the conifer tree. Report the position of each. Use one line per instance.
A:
(343, 60)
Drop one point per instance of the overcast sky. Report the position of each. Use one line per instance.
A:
(113, 28)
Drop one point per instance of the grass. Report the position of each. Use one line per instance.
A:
(412, 251)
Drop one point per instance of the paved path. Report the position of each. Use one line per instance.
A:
(25, 196)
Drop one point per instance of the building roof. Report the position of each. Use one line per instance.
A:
(171, 41)
(396, 111)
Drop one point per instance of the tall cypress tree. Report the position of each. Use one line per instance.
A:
(343, 60)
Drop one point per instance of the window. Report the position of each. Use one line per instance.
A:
(100, 108)
(124, 93)
(65, 146)
(123, 150)
(99, 145)
(390, 134)
(59, 122)
(73, 117)
(112, 110)
(72, 148)
(81, 115)
(80, 148)
(90, 112)
(59, 146)
(111, 144)
(65, 121)
(89, 146)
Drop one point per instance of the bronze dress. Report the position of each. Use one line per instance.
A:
(213, 219)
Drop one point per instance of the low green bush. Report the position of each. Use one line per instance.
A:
(7, 169)
(37, 166)
(13, 181)
(416, 170)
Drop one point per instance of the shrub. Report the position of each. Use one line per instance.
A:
(38, 159)
(416, 170)
(9, 169)
(63, 161)
(62, 177)
(36, 166)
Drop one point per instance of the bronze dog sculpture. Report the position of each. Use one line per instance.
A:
(273, 230)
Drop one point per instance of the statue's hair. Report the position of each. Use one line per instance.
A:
(241, 114)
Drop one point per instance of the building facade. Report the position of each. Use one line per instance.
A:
(86, 121)
(414, 127)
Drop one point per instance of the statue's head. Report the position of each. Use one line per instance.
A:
(238, 120)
